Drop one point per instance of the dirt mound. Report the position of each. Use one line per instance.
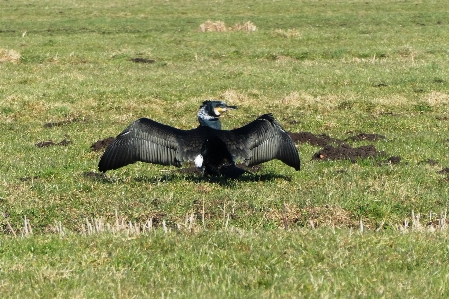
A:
(29, 178)
(394, 160)
(346, 152)
(444, 170)
(318, 140)
(101, 144)
(338, 149)
(48, 143)
(94, 175)
(142, 60)
(323, 139)
(430, 162)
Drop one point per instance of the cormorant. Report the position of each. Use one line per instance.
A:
(213, 150)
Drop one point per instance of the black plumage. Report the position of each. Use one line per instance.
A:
(217, 160)
(146, 140)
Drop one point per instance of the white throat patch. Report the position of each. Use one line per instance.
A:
(204, 115)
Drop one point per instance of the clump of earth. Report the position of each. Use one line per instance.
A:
(101, 144)
(444, 170)
(346, 152)
(339, 149)
(48, 143)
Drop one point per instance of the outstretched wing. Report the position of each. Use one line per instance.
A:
(148, 141)
(265, 139)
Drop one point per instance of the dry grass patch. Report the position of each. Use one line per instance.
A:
(337, 217)
(220, 26)
(234, 97)
(9, 56)
(393, 101)
(217, 26)
(435, 98)
(305, 100)
(297, 100)
(248, 26)
(289, 33)
(319, 216)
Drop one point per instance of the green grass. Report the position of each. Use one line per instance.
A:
(228, 264)
(333, 67)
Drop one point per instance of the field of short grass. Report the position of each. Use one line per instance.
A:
(75, 73)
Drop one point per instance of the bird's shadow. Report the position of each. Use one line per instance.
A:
(247, 177)
(191, 177)
(222, 181)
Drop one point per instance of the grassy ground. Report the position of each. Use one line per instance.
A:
(333, 229)
(228, 264)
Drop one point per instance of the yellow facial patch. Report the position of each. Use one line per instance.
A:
(219, 110)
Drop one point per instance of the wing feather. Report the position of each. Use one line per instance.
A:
(266, 140)
(146, 140)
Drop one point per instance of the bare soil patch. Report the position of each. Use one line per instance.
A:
(444, 170)
(95, 175)
(61, 123)
(310, 138)
(48, 143)
(394, 159)
(101, 144)
(142, 60)
(29, 178)
(323, 139)
(430, 162)
(338, 149)
(346, 152)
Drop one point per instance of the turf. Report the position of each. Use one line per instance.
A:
(75, 73)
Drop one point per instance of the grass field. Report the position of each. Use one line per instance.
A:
(335, 229)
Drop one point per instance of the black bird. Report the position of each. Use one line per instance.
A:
(214, 151)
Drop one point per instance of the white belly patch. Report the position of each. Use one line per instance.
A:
(199, 161)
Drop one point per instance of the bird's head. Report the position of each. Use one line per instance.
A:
(216, 108)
